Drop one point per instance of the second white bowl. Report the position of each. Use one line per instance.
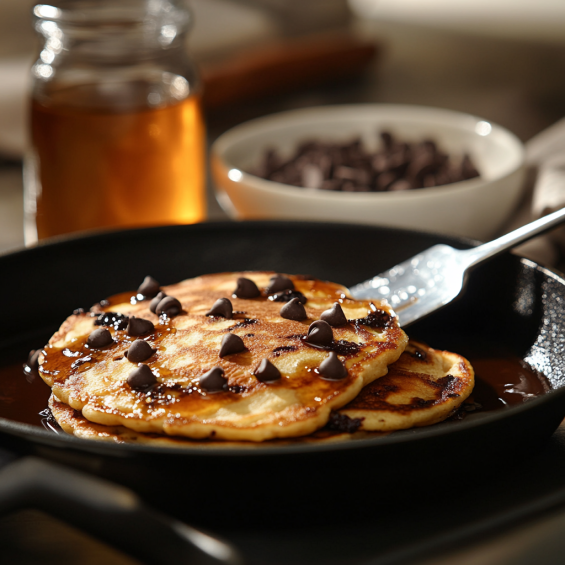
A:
(475, 208)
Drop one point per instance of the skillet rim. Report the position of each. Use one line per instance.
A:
(63, 440)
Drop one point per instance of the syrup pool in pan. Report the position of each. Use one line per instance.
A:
(500, 382)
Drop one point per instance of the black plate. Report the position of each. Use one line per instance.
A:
(511, 305)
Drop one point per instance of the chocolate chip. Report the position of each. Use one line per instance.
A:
(375, 319)
(294, 310)
(213, 380)
(387, 140)
(385, 180)
(155, 302)
(141, 378)
(112, 319)
(266, 372)
(231, 343)
(139, 351)
(139, 326)
(287, 296)
(222, 307)
(278, 283)
(400, 184)
(332, 368)
(312, 176)
(149, 287)
(334, 316)
(468, 169)
(320, 333)
(169, 306)
(246, 288)
(99, 338)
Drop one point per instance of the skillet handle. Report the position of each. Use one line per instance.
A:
(110, 512)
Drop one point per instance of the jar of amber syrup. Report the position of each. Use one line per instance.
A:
(117, 136)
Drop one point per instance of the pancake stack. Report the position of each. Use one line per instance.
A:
(244, 357)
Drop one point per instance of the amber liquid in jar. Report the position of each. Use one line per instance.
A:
(102, 159)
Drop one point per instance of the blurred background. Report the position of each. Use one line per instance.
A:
(503, 60)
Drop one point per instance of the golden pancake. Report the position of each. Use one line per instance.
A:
(96, 378)
(73, 423)
(423, 387)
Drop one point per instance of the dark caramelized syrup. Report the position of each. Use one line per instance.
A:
(378, 319)
(506, 381)
(72, 359)
(21, 400)
(340, 346)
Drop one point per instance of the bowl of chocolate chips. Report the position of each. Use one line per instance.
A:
(404, 166)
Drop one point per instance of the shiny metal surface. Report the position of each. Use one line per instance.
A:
(426, 282)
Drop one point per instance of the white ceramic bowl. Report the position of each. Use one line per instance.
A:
(475, 208)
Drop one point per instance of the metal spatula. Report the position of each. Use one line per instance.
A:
(419, 286)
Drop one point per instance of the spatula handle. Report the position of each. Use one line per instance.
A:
(514, 238)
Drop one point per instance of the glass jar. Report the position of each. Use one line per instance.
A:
(117, 135)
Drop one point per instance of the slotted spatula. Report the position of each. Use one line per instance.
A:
(423, 284)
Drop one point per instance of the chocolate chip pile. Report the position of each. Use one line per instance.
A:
(349, 167)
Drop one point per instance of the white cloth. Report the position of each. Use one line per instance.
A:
(545, 192)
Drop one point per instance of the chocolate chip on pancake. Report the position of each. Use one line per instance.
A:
(266, 372)
(141, 378)
(222, 307)
(278, 283)
(155, 302)
(332, 368)
(169, 306)
(99, 338)
(139, 326)
(287, 296)
(231, 343)
(213, 380)
(334, 316)
(149, 287)
(139, 351)
(320, 333)
(246, 288)
(294, 310)
(112, 319)
(376, 318)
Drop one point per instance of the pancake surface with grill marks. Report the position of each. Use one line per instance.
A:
(423, 387)
(93, 381)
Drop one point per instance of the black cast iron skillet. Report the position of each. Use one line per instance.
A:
(511, 305)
